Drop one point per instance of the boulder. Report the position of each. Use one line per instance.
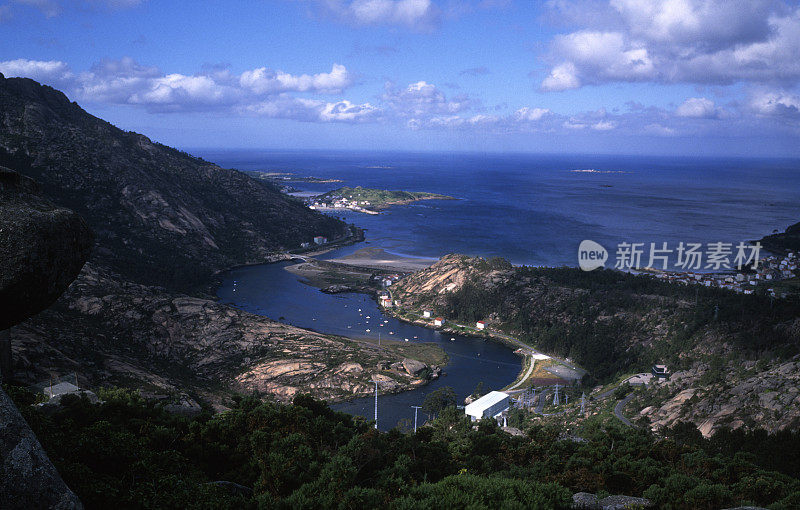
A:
(413, 367)
(43, 248)
(585, 501)
(624, 502)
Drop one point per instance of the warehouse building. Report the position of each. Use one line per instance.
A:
(488, 406)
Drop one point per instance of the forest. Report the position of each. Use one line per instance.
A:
(125, 452)
(600, 319)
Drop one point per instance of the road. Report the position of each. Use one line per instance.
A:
(620, 406)
(527, 374)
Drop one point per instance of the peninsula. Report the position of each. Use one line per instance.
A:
(369, 200)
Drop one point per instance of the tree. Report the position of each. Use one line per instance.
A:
(438, 400)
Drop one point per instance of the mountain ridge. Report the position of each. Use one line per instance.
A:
(161, 216)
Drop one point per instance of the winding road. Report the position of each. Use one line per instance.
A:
(620, 406)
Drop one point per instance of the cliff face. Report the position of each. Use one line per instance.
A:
(160, 215)
(733, 357)
(42, 248)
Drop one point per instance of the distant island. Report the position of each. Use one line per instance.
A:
(369, 200)
(279, 177)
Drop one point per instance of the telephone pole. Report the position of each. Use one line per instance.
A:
(416, 408)
(376, 405)
(556, 401)
(583, 403)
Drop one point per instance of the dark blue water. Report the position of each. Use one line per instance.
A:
(271, 291)
(535, 210)
(529, 209)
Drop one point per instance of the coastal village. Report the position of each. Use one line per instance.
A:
(340, 203)
(770, 269)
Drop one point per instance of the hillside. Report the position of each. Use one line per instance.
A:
(734, 357)
(164, 223)
(783, 242)
(160, 215)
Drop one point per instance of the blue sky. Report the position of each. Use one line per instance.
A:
(687, 77)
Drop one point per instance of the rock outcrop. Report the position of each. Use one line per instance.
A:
(27, 477)
(42, 248)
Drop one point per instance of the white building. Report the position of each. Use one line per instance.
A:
(488, 406)
(426, 314)
(386, 303)
(320, 240)
(438, 321)
(480, 325)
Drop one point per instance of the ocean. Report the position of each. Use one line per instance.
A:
(529, 209)
(536, 209)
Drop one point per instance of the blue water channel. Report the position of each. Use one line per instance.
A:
(272, 291)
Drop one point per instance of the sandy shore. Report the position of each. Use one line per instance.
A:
(380, 259)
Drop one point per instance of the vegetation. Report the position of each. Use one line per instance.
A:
(601, 318)
(128, 453)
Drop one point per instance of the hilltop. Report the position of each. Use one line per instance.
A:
(734, 357)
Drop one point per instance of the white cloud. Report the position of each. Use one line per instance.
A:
(699, 108)
(562, 77)
(679, 41)
(267, 81)
(659, 130)
(312, 110)
(531, 114)
(776, 104)
(423, 99)
(258, 91)
(604, 125)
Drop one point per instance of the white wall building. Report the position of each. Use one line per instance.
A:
(438, 321)
(426, 314)
(480, 325)
(488, 406)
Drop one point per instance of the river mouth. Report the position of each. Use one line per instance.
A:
(271, 291)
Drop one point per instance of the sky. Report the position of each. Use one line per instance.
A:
(678, 77)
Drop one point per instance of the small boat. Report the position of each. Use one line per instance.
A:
(406, 339)
(391, 332)
(367, 331)
(452, 339)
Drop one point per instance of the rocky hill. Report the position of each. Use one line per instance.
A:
(160, 215)
(734, 358)
(165, 222)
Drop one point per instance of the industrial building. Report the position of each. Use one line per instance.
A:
(488, 406)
